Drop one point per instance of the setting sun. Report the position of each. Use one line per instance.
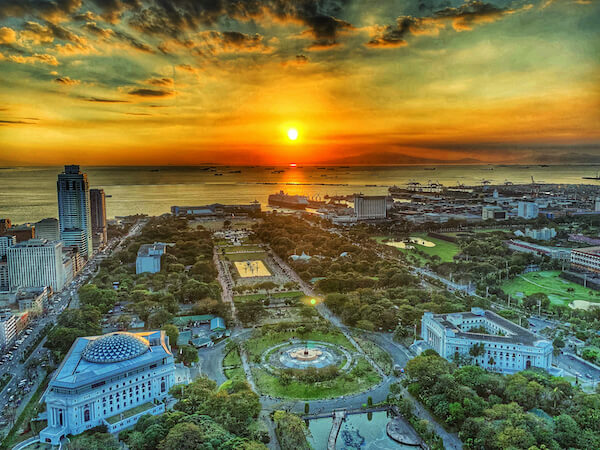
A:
(292, 134)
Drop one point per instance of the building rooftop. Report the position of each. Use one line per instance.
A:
(156, 249)
(595, 251)
(115, 347)
(96, 358)
(514, 333)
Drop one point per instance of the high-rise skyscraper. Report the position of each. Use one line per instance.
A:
(74, 210)
(98, 213)
(47, 229)
(36, 263)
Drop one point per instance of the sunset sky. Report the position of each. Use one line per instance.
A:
(102, 82)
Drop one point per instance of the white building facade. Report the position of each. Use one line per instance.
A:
(36, 263)
(507, 347)
(8, 328)
(370, 207)
(587, 259)
(148, 257)
(74, 209)
(103, 378)
(528, 210)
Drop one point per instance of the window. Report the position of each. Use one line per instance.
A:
(86, 415)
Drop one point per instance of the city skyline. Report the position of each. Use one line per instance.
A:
(124, 83)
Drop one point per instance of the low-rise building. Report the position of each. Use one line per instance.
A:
(109, 380)
(587, 259)
(540, 250)
(8, 328)
(369, 207)
(493, 213)
(32, 299)
(47, 229)
(36, 263)
(507, 347)
(528, 210)
(148, 257)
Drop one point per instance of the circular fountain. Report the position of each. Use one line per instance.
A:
(304, 355)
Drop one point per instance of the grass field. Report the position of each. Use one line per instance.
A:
(243, 248)
(379, 355)
(250, 256)
(445, 250)
(254, 297)
(257, 345)
(249, 269)
(360, 378)
(549, 283)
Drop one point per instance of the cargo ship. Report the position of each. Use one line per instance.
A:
(288, 201)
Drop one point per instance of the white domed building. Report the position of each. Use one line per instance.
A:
(109, 380)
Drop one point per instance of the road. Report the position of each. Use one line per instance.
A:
(56, 304)
(212, 366)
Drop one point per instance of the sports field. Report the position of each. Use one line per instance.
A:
(249, 269)
(428, 245)
(549, 283)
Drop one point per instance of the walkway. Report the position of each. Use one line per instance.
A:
(338, 418)
(451, 440)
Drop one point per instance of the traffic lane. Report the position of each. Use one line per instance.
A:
(577, 367)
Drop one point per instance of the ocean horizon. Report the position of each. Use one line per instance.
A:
(28, 194)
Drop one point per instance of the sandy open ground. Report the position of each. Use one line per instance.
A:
(248, 269)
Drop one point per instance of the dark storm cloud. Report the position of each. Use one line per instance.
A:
(92, 28)
(15, 122)
(325, 30)
(52, 10)
(160, 81)
(144, 92)
(132, 41)
(103, 100)
(107, 33)
(67, 81)
(174, 18)
(49, 31)
(112, 10)
(462, 18)
(471, 13)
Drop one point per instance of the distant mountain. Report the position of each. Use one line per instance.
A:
(393, 158)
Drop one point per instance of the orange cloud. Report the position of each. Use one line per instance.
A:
(7, 35)
(43, 58)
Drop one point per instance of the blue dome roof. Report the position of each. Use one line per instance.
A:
(115, 347)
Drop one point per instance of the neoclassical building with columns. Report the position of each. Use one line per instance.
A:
(507, 347)
(109, 380)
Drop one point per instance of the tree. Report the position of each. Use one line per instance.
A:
(172, 333)
(187, 354)
(183, 436)
(477, 350)
(94, 441)
(558, 344)
(291, 431)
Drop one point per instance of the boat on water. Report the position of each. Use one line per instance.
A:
(597, 177)
(288, 201)
(278, 171)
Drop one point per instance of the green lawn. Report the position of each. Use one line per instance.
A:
(238, 372)
(445, 250)
(243, 248)
(232, 359)
(549, 283)
(257, 345)
(379, 355)
(360, 378)
(255, 297)
(252, 256)
(130, 412)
